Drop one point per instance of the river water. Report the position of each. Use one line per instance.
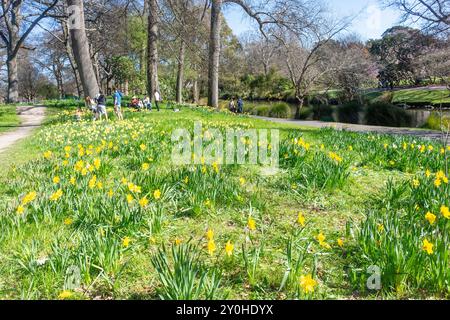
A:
(418, 116)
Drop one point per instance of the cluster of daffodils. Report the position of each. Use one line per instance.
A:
(321, 239)
(440, 178)
(211, 244)
(431, 217)
(28, 198)
(422, 148)
(334, 156)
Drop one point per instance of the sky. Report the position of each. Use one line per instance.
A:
(372, 19)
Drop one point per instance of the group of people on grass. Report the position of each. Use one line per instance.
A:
(97, 105)
(236, 107)
(146, 103)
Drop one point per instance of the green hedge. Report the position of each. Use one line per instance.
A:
(280, 110)
(349, 112)
(386, 114)
(323, 113)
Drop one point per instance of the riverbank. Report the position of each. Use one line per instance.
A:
(418, 108)
(425, 134)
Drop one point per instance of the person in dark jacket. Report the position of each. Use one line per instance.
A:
(101, 106)
(240, 105)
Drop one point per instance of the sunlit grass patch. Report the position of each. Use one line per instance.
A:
(104, 198)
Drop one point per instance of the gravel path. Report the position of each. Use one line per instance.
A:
(31, 117)
(428, 134)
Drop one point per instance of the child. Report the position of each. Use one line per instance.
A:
(78, 114)
(91, 105)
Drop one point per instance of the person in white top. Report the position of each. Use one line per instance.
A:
(157, 99)
(148, 103)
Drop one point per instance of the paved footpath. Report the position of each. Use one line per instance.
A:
(427, 134)
(31, 117)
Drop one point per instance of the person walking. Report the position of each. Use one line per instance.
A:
(232, 105)
(157, 99)
(240, 105)
(117, 97)
(101, 106)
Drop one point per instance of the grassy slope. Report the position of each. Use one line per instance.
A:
(8, 118)
(325, 211)
(421, 96)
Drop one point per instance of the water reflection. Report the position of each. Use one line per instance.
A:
(419, 117)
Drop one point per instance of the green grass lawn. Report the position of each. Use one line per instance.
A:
(414, 97)
(8, 118)
(104, 198)
(424, 96)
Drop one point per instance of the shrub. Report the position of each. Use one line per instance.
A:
(386, 114)
(262, 111)
(386, 97)
(434, 122)
(323, 113)
(68, 103)
(305, 113)
(349, 112)
(280, 110)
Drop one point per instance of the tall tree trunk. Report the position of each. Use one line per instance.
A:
(11, 60)
(13, 80)
(214, 54)
(96, 67)
(108, 82)
(142, 61)
(143, 53)
(76, 77)
(152, 46)
(301, 101)
(56, 68)
(14, 38)
(80, 48)
(180, 74)
(72, 62)
(195, 92)
(126, 87)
